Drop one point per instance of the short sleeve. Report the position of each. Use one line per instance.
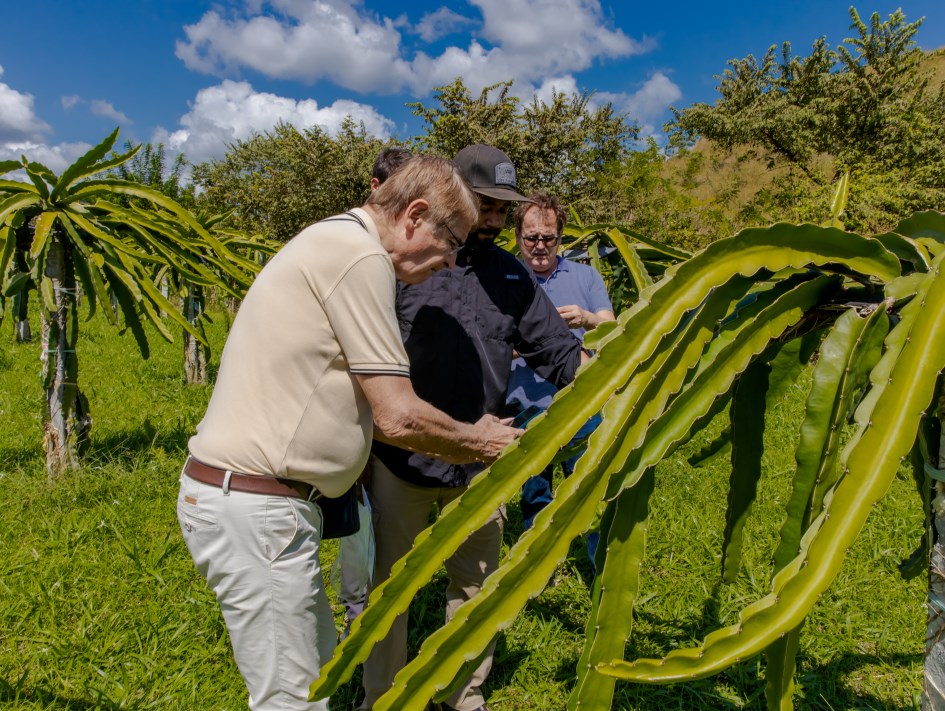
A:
(362, 311)
(598, 300)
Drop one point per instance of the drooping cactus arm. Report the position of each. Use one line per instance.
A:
(872, 464)
(639, 335)
(612, 450)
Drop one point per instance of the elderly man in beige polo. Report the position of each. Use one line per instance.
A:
(313, 367)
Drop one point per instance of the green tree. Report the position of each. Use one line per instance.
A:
(568, 146)
(561, 146)
(457, 119)
(191, 286)
(866, 107)
(149, 166)
(71, 231)
(278, 182)
(650, 196)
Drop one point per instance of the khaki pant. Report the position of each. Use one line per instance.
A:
(259, 555)
(401, 511)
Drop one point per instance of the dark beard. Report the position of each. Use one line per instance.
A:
(481, 236)
(477, 242)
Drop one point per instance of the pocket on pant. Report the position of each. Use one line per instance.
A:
(190, 514)
(282, 526)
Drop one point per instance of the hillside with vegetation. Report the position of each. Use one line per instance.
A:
(786, 127)
(734, 187)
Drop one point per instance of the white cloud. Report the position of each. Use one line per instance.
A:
(105, 109)
(233, 111)
(652, 99)
(439, 24)
(56, 158)
(571, 33)
(566, 85)
(314, 40)
(22, 133)
(340, 41)
(18, 119)
(647, 106)
(99, 107)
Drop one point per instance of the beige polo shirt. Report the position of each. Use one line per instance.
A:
(286, 402)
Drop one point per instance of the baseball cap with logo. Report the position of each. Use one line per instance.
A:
(488, 171)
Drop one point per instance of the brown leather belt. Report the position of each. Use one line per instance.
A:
(250, 483)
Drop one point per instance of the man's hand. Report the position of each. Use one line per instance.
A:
(574, 315)
(496, 435)
(404, 420)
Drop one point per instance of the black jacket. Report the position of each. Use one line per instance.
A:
(460, 327)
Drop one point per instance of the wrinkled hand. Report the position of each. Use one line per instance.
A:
(573, 315)
(496, 435)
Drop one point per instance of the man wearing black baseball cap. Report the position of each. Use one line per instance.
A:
(489, 172)
(460, 327)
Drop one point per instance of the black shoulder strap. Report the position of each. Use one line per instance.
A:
(347, 217)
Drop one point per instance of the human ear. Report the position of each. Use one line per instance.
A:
(416, 211)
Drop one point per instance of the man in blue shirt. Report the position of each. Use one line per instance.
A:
(580, 296)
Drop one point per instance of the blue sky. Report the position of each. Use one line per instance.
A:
(197, 75)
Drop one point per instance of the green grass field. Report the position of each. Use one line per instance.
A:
(101, 607)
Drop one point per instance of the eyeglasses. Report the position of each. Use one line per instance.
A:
(455, 243)
(546, 240)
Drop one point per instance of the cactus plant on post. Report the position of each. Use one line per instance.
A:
(240, 251)
(84, 238)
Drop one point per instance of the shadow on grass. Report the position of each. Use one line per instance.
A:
(17, 458)
(712, 609)
(826, 686)
(128, 445)
(116, 447)
(819, 687)
(505, 664)
(13, 693)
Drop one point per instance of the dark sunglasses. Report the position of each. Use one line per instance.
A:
(546, 240)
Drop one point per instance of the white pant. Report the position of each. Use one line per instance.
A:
(259, 555)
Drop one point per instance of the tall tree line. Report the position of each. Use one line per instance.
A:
(786, 125)
(868, 107)
(281, 180)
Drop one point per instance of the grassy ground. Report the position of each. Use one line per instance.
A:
(101, 608)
